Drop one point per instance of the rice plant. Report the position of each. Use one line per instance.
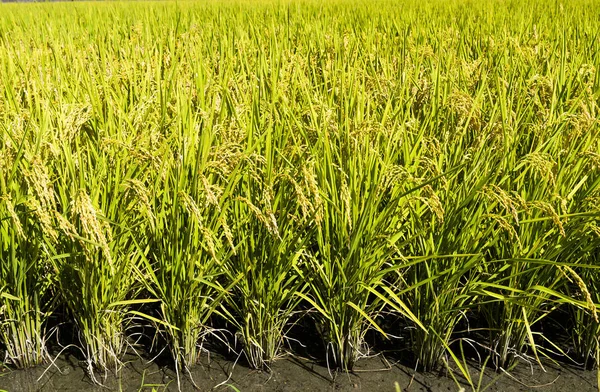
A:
(24, 305)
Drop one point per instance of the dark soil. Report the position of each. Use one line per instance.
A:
(291, 374)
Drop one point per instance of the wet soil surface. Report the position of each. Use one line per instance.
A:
(291, 374)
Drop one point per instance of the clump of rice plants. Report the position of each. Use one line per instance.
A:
(27, 207)
(95, 259)
(353, 244)
(23, 306)
(188, 241)
(271, 213)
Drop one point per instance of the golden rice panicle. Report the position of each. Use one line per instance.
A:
(506, 226)
(267, 202)
(310, 179)
(548, 209)
(10, 208)
(227, 232)
(432, 200)
(495, 193)
(73, 116)
(211, 192)
(302, 199)
(44, 217)
(191, 207)
(91, 226)
(210, 241)
(66, 227)
(268, 220)
(38, 180)
(141, 199)
(584, 290)
(543, 164)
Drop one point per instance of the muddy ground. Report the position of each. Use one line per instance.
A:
(291, 374)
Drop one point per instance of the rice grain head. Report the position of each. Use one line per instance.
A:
(13, 215)
(83, 209)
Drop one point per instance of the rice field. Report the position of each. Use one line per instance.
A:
(425, 174)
